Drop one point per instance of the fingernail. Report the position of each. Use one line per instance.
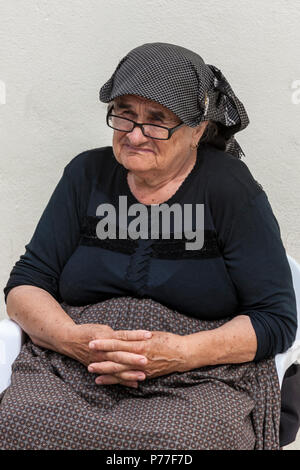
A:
(143, 361)
(91, 369)
(148, 334)
(92, 345)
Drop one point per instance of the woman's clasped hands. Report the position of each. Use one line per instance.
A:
(134, 355)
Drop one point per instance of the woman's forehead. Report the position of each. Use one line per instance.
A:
(131, 101)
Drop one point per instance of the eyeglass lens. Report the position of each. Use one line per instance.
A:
(122, 124)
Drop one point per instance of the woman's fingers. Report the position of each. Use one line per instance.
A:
(132, 335)
(127, 358)
(106, 367)
(110, 367)
(132, 375)
(129, 376)
(112, 379)
(118, 356)
(122, 356)
(127, 346)
(116, 373)
(117, 345)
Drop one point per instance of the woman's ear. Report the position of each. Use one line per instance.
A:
(199, 131)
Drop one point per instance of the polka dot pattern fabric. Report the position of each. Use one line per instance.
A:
(179, 79)
(54, 403)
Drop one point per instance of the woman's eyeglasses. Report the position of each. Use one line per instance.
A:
(149, 130)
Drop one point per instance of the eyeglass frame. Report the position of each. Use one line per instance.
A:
(170, 130)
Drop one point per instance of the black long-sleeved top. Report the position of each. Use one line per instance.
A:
(241, 268)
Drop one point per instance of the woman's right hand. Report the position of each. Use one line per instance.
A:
(77, 347)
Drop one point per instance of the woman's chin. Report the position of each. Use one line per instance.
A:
(135, 162)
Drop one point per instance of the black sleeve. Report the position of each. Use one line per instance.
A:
(56, 235)
(256, 259)
(258, 266)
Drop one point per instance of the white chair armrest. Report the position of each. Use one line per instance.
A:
(11, 340)
(284, 360)
(292, 355)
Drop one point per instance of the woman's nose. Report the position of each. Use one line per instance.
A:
(136, 136)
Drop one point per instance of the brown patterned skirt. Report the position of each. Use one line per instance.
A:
(54, 403)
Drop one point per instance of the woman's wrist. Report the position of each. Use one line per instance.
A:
(232, 343)
(75, 340)
(63, 338)
(201, 349)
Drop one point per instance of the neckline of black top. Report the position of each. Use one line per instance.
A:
(180, 190)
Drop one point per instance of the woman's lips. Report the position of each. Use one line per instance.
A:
(138, 149)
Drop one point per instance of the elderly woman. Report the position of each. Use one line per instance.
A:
(142, 340)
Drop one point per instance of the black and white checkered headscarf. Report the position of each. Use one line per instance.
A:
(180, 80)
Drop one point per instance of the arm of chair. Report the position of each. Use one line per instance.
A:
(285, 360)
(11, 340)
(292, 355)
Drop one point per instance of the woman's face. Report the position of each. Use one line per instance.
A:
(143, 155)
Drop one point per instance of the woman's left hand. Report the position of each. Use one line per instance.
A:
(165, 353)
